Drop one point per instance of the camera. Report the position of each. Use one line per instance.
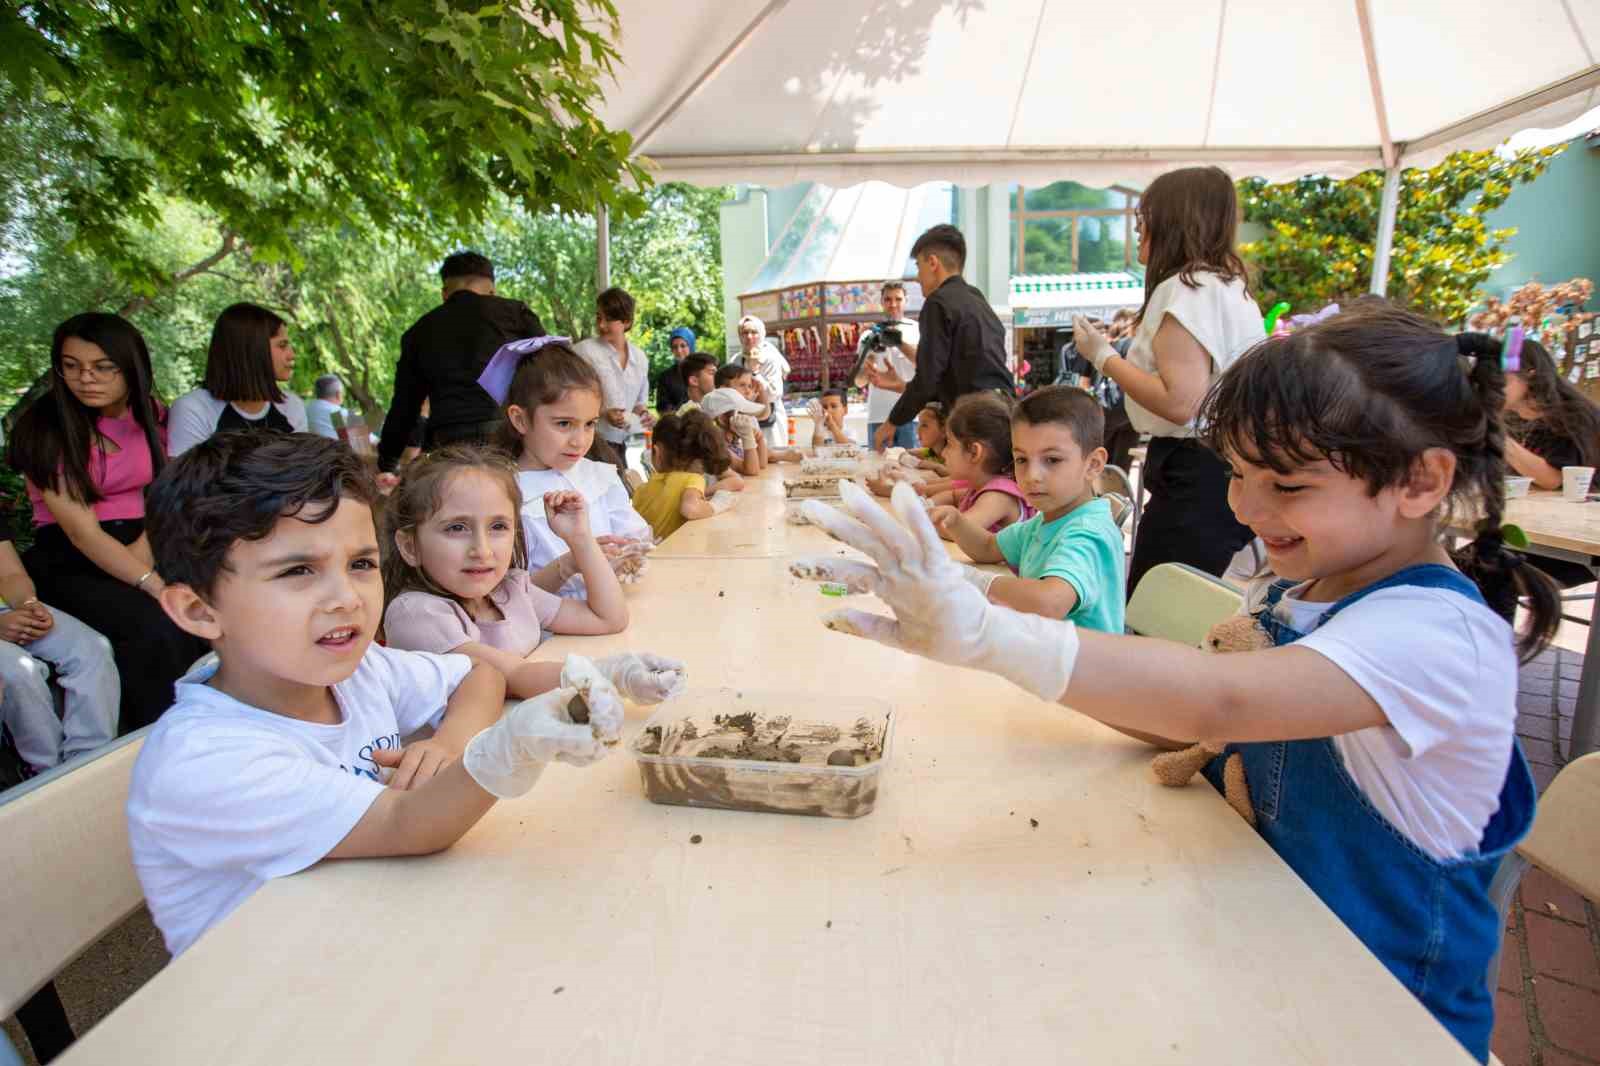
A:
(883, 336)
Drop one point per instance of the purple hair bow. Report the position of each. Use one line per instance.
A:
(1302, 321)
(496, 377)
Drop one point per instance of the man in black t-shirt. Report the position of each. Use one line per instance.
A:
(962, 346)
(443, 353)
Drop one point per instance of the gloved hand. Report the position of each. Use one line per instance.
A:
(910, 459)
(938, 614)
(1090, 342)
(507, 758)
(643, 677)
(744, 427)
(978, 579)
(814, 409)
(722, 502)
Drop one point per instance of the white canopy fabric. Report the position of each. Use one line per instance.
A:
(1034, 91)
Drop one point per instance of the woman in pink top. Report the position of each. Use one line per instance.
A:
(87, 449)
(977, 452)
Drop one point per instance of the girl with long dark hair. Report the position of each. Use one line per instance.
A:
(88, 449)
(1197, 318)
(1549, 423)
(249, 361)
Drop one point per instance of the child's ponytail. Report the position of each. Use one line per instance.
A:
(692, 437)
(1502, 574)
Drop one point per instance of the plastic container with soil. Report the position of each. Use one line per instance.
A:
(766, 751)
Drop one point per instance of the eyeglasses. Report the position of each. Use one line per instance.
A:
(94, 372)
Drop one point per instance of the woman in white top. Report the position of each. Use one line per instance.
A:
(249, 359)
(1197, 318)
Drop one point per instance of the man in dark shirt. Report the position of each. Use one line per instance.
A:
(443, 353)
(963, 345)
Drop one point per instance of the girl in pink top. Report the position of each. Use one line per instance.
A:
(977, 452)
(456, 576)
(87, 450)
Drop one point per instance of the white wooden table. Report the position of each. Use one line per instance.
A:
(1561, 529)
(1023, 893)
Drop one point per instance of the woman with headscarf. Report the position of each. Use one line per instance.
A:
(672, 391)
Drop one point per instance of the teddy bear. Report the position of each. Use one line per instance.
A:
(1175, 768)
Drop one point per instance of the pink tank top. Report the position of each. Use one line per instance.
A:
(120, 476)
(997, 484)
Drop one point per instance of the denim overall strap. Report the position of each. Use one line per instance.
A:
(1429, 921)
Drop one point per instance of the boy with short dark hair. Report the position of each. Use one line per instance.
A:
(1069, 557)
(273, 756)
(699, 375)
(827, 418)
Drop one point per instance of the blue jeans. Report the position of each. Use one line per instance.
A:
(87, 673)
(904, 437)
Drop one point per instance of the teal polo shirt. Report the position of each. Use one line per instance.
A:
(1083, 548)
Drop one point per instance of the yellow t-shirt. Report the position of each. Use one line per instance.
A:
(658, 499)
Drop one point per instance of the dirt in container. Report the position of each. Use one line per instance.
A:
(802, 779)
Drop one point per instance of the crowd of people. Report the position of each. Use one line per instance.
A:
(218, 570)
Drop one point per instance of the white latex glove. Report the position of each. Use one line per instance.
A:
(814, 409)
(722, 502)
(938, 614)
(507, 758)
(978, 579)
(1090, 342)
(910, 460)
(744, 427)
(643, 677)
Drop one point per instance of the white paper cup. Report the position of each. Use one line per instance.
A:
(1575, 481)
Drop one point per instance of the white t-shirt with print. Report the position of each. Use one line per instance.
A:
(1221, 316)
(1443, 669)
(610, 512)
(226, 796)
(193, 417)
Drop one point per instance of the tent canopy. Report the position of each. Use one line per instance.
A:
(974, 91)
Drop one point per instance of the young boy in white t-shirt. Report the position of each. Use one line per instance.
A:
(275, 753)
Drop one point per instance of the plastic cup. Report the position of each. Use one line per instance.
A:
(1575, 482)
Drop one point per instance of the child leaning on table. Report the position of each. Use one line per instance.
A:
(273, 756)
(827, 418)
(551, 399)
(456, 580)
(685, 449)
(735, 416)
(1069, 557)
(1376, 735)
(977, 454)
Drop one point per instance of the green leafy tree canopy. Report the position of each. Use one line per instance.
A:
(411, 115)
(1321, 233)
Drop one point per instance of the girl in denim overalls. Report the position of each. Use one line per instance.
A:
(1377, 734)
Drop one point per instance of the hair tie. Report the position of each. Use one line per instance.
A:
(1507, 348)
(496, 377)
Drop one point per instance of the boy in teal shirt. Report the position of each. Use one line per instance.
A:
(1069, 557)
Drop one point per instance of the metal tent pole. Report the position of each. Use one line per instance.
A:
(1386, 212)
(602, 248)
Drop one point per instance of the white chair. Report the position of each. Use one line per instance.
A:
(69, 873)
(1564, 842)
(1179, 603)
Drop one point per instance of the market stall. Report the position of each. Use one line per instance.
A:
(820, 285)
(1042, 307)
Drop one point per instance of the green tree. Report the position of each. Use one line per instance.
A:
(669, 259)
(1320, 236)
(409, 115)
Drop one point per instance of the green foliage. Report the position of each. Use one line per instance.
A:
(669, 259)
(412, 117)
(1321, 233)
(1102, 240)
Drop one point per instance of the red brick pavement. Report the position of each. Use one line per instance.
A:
(1547, 1008)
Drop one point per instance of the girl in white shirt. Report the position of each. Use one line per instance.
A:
(552, 399)
(1374, 740)
(1197, 318)
(248, 367)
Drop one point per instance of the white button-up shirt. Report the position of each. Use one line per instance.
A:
(625, 387)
